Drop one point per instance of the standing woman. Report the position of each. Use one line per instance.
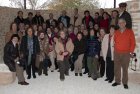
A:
(79, 50)
(12, 58)
(64, 48)
(29, 48)
(101, 60)
(108, 53)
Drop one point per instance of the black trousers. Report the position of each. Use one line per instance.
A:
(63, 68)
(109, 69)
(85, 64)
(101, 66)
(31, 66)
(43, 67)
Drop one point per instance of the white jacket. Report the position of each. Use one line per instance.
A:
(104, 46)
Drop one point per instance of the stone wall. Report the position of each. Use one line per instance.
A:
(134, 10)
(7, 16)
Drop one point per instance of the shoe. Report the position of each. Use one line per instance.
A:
(76, 74)
(106, 79)
(62, 79)
(46, 74)
(23, 83)
(125, 86)
(110, 81)
(80, 74)
(115, 84)
(29, 77)
(85, 72)
(89, 76)
(34, 76)
(94, 78)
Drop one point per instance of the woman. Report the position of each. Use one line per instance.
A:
(93, 49)
(29, 48)
(64, 48)
(101, 60)
(79, 50)
(51, 54)
(12, 58)
(108, 53)
(104, 23)
(41, 61)
(13, 30)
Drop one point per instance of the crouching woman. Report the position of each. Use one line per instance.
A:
(64, 47)
(12, 58)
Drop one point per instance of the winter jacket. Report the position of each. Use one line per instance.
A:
(93, 47)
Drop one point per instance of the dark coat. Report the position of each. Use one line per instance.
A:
(28, 21)
(18, 20)
(79, 46)
(67, 19)
(90, 19)
(24, 47)
(10, 54)
(93, 47)
(49, 23)
(128, 19)
(39, 20)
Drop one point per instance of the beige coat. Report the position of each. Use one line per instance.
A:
(78, 21)
(60, 48)
(44, 49)
(104, 46)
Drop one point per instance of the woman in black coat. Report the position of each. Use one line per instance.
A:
(29, 48)
(12, 58)
(79, 50)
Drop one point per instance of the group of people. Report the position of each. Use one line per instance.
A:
(97, 44)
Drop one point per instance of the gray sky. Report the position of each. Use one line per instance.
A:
(103, 3)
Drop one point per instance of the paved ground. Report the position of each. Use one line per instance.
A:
(72, 85)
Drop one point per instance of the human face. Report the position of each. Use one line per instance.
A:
(14, 27)
(102, 32)
(112, 30)
(62, 34)
(15, 40)
(92, 33)
(49, 31)
(38, 13)
(76, 30)
(87, 14)
(122, 24)
(42, 35)
(20, 14)
(30, 32)
(122, 9)
(114, 14)
(79, 36)
(96, 26)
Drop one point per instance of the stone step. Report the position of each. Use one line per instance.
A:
(6, 77)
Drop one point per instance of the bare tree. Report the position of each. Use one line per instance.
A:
(70, 4)
(31, 4)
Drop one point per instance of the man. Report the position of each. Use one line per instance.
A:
(19, 19)
(29, 19)
(51, 20)
(38, 19)
(124, 46)
(64, 19)
(125, 15)
(76, 19)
